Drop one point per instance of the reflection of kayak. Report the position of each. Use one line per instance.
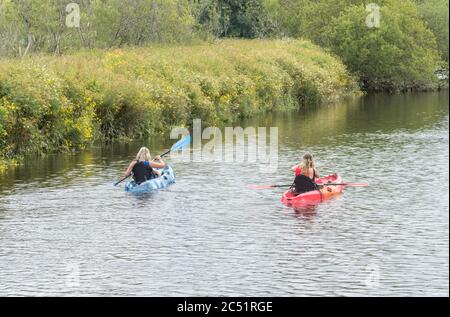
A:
(166, 179)
(327, 192)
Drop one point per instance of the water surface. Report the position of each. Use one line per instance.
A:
(65, 230)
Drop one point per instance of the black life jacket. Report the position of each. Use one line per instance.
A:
(303, 184)
(142, 172)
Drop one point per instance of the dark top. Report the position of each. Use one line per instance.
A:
(142, 172)
(304, 184)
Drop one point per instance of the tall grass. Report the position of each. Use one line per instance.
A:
(61, 103)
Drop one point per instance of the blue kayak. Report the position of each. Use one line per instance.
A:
(166, 179)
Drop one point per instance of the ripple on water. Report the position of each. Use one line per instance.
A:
(73, 233)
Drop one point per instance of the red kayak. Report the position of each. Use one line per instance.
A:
(317, 196)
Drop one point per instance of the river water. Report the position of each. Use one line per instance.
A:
(66, 230)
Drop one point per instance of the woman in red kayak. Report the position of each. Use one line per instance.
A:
(143, 168)
(305, 175)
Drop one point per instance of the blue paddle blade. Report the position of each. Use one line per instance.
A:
(183, 143)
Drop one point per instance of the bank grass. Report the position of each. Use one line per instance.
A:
(60, 103)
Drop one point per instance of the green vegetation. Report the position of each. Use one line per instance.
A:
(404, 52)
(61, 103)
(136, 67)
(435, 14)
(407, 49)
(401, 54)
(41, 26)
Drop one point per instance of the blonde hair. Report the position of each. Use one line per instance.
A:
(144, 155)
(307, 163)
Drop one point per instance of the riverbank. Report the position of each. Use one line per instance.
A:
(61, 103)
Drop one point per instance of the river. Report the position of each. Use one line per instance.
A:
(66, 230)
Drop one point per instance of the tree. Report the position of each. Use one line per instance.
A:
(309, 18)
(401, 54)
(236, 18)
(274, 10)
(435, 14)
(208, 18)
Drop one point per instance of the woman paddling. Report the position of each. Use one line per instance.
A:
(305, 175)
(143, 168)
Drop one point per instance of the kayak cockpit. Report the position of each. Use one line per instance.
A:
(291, 198)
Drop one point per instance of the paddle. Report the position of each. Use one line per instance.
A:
(269, 187)
(347, 184)
(183, 143)
(331, 184)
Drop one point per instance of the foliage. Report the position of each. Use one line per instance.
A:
(36, 114)
(435, 14)
(39, 26)
(58, 103)
(400, 54)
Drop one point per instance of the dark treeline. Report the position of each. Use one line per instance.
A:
(403, 51)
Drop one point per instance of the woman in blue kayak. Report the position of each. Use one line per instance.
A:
(305, 175)
(143, 167)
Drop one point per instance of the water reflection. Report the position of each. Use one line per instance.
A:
(307, 211)
(313, 127)
(211, 235)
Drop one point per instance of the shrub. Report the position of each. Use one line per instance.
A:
(60, 103)
(401, 54)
